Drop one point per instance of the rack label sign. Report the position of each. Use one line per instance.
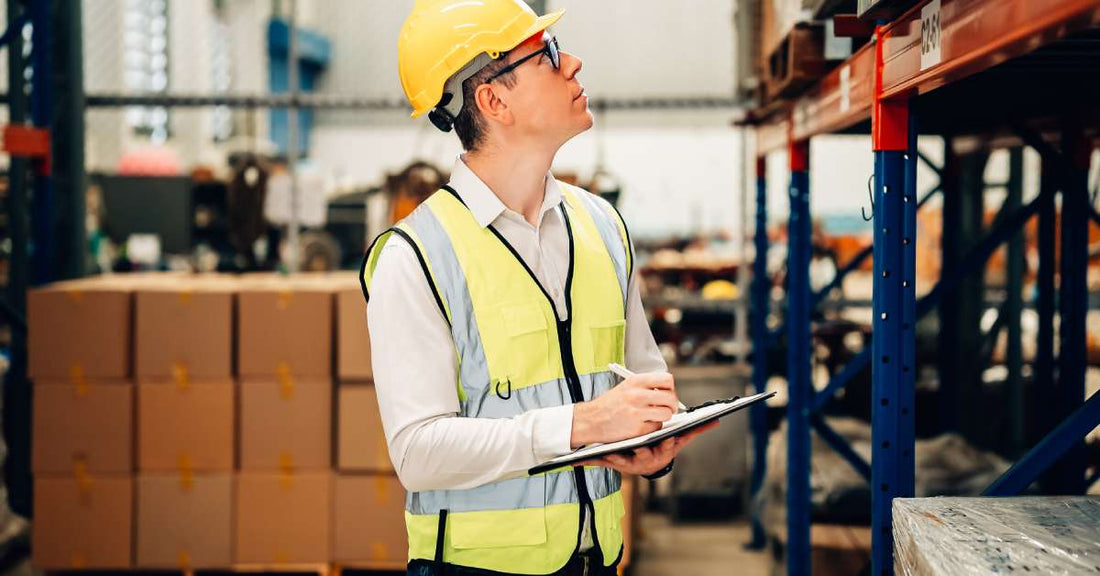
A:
(930, 37)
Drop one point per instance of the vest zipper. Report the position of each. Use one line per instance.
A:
(565, 342)
(569, 367)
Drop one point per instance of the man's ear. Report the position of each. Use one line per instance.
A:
(492, 107)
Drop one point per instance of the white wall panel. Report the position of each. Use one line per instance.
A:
(635, 48)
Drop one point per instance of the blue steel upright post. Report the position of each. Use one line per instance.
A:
(41, 107)
(761, 298)
(1069, 473)
(799, 388)
(1042, 395)
(892, 343)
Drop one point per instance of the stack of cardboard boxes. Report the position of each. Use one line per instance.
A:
(186, 421)
(210, 422)
(186, 403)
(82, 457)
(284, 362)
(369, 498)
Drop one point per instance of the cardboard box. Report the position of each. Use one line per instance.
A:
(184, 520)
(631, 520)
(79, 330)
(184, 331)
(360, 440)
(353, 341)
(187, 427)
(369, 521)
(82, 523)
(83, 428)
(283, 518)
(284, 327)
(286, 425)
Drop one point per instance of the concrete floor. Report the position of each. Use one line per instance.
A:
(717, 549)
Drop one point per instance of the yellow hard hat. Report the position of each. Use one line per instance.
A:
(440, 38)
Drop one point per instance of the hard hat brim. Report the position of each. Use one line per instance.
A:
(541, 24)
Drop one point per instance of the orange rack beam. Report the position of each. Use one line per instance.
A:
(974, 35)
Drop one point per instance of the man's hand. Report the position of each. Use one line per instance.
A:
(649, 460)
(638, 405)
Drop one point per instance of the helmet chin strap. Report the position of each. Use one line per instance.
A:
(450, 105)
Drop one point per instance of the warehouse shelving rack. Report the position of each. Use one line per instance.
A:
(973, 67)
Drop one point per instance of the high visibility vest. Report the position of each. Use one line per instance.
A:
(514, 355)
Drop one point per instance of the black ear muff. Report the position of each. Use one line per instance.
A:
(442, 119)
(440, 116)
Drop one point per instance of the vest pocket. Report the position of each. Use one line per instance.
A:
(608, 341)
(498, 528)
(529, 339)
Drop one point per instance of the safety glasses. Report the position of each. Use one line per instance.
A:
(550, 48)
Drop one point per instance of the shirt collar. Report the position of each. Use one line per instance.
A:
(484, 204)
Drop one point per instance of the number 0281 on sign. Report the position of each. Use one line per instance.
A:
(930, 37)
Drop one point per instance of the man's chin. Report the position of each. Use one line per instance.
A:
(587, 121)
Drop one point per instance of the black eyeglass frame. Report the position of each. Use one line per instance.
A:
(550, 48)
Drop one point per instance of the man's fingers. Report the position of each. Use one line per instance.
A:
(624, 463)
(665, 398)
(656, 413)
(659, 380)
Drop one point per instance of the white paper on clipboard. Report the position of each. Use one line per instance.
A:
(680, 423)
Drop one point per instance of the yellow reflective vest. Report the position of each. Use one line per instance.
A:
(515, 355)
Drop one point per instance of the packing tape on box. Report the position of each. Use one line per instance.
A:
(379, 553)
(381, 490)
(286, 470)
(75, 295)
(186, 471)
(284, 300)
(79, 560)
(179, 374)
(281, 556)
(76, 376)
(286, 381)
(185, 297)
(83, 479)
(183, 560)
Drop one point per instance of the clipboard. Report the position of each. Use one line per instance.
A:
(679, 424)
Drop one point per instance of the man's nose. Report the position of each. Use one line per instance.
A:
(570, 65)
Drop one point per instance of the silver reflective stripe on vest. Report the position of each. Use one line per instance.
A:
(602, 482)
(593, 385)
(612, 239)
(451, 282)
(525, 492)
(551, 393)
(544, 395)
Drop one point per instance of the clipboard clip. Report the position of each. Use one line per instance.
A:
(713, 402)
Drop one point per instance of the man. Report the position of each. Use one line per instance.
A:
(496, 307)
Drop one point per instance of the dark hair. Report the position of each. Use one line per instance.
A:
(469, 124)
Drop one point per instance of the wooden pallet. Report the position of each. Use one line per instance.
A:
(796, 63)
(288, 569)
(378, 567)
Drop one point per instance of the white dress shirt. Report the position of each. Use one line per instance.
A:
(415, 363)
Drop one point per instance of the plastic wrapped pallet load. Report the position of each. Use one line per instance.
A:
(1026, 535)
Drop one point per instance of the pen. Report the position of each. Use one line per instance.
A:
(624, 372)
